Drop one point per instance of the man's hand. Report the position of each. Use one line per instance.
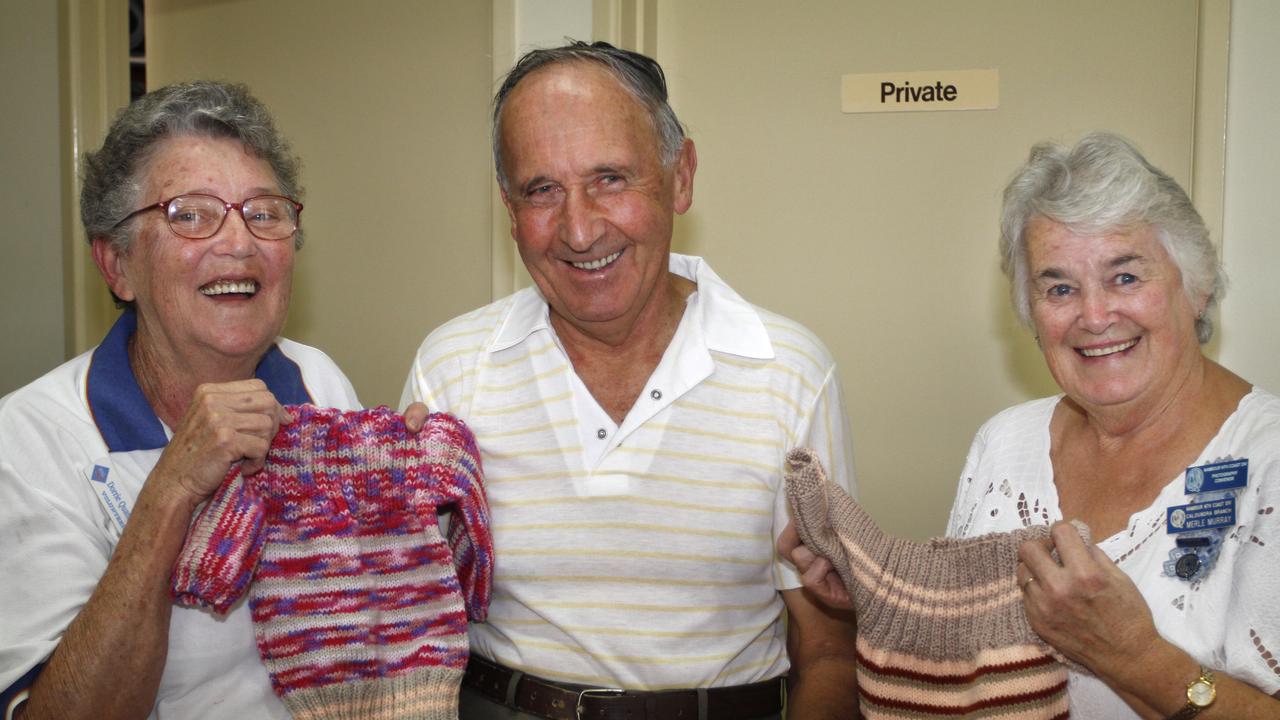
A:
(816, 572)
(415, 416)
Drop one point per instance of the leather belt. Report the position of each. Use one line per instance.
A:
(562, 701)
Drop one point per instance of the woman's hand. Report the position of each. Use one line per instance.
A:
(123, 628)
(1089, 610)
(225, 423)
(1084, 605)
(816, 572)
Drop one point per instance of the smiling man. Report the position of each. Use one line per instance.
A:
(633, 414)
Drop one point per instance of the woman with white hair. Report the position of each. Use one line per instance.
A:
(1171, 459)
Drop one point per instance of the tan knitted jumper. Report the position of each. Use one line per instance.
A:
(941, 627)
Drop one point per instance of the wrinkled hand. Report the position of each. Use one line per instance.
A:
(225, 423)
(415, 416)
(816, 572)
(1084, 606)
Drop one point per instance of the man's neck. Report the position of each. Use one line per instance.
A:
(616, 366)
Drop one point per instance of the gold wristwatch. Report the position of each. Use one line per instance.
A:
(1201, 693)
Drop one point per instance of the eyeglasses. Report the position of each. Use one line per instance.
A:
(198, 216)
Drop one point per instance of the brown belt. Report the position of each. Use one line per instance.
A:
(560, 701)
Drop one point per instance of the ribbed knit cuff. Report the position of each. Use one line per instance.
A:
(222, 548)
(424, 694)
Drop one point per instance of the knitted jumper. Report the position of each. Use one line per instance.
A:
(357, 601)
(941, 627)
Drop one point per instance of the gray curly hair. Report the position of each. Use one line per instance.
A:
(112, 183)
(1102, 185)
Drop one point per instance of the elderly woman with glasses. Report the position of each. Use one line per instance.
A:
(1172, 460)
(191, 208)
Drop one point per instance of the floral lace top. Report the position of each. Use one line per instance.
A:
(1226, 616)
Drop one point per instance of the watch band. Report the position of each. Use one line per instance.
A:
(1187, 712)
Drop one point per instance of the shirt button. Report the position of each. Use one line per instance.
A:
(656, 394)
(602, 433)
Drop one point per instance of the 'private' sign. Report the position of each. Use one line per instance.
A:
(920, 91)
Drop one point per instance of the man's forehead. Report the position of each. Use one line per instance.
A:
(579, 80)
(575, 98)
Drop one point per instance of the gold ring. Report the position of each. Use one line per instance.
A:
(1025, 583)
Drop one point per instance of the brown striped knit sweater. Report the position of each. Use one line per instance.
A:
(941, 628)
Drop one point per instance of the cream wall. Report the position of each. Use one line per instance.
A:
(31, 298)
(387, 103)
(1250, 343)
(879, 231)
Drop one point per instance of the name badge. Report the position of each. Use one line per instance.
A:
(1207, 515)
(1223, 475)
(114, 503)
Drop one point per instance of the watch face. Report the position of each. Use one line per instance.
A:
(1200, 693)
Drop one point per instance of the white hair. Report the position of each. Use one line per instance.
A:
(1103, 185)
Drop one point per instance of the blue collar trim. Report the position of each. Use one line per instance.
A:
(121, 411)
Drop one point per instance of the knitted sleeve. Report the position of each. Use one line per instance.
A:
(222, 548)
(461, 491)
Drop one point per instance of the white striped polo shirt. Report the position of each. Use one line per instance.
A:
(639, 555)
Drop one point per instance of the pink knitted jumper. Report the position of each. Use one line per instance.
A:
(359, 606)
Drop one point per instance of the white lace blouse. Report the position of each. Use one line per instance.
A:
(1227, 617)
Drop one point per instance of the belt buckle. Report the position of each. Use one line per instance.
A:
(596, 692)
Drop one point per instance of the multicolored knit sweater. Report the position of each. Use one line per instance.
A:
(359, 606)
(941, 627)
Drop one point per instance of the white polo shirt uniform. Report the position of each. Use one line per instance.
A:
(75, 448)
(639, 555)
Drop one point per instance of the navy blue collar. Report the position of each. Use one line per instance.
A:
(121, 411)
